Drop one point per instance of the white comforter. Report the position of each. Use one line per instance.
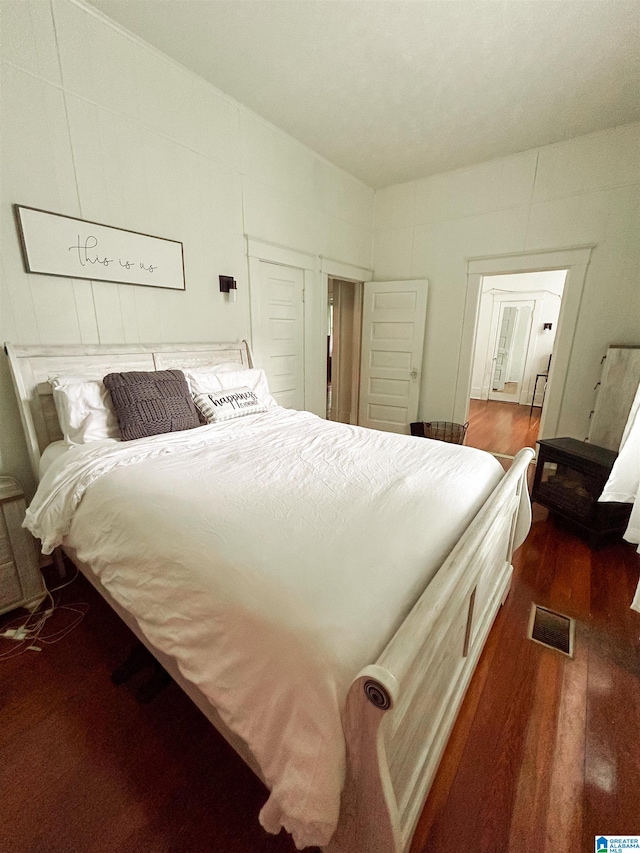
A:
(273, 556)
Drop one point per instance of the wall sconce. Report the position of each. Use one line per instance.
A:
(547, 327)
(228, 286)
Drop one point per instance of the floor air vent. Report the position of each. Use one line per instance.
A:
(552, 630)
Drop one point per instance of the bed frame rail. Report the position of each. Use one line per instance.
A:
(400, 711)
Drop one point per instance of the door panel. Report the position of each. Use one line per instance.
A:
(511, 348)
(503, 347)
(394, 315)
(278, 317)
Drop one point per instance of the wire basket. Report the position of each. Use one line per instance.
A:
(441, 431)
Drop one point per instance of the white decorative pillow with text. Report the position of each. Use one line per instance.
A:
(226, 377)
(228, 404)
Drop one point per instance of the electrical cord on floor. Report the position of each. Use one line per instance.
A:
(25, 631)
(66, 583)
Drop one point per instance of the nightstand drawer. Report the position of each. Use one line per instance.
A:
(10, 588)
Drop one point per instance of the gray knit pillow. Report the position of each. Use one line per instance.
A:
(151, 402)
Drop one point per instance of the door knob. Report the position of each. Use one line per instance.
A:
(414, 375)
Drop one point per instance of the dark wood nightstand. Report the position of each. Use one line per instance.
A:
(570, 477)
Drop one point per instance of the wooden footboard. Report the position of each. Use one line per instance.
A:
(400, 711)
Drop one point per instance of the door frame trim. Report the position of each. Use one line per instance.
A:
(575, 260)
(355, 334)
(316, 270)
(272, 253)
(330, 268)
(341, 270)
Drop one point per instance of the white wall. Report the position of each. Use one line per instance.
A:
(545, 289)
(96, 124)
(584, 191)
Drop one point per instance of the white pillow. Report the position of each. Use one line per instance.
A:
(225, 377)
(225, 405)
(84, 409)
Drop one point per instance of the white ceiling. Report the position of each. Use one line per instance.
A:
(393, 90)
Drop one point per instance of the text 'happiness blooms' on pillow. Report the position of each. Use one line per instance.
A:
(151, 402)
(226, 377)
(228, 404)
(84, 409)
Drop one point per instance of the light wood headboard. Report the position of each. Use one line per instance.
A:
(32, 367)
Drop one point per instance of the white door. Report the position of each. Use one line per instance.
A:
(506, 328)
(393, 321)
(277, 314)
(513, 339)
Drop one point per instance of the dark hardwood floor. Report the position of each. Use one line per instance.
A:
(85, 768)
(544, 755)
(501, 427)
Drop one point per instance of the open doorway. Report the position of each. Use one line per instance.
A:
(343, 349)
(515, 336)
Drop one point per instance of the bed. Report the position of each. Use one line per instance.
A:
(358, 699)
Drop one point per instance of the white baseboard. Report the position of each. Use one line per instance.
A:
(479, 394)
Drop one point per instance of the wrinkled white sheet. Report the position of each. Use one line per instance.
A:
(273, 556)
(55, 449)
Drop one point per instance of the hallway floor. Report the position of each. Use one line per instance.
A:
(503, 428)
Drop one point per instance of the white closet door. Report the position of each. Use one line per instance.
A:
(277, 309)
(393, 321)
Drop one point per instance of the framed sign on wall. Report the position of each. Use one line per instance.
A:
(54, 244)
